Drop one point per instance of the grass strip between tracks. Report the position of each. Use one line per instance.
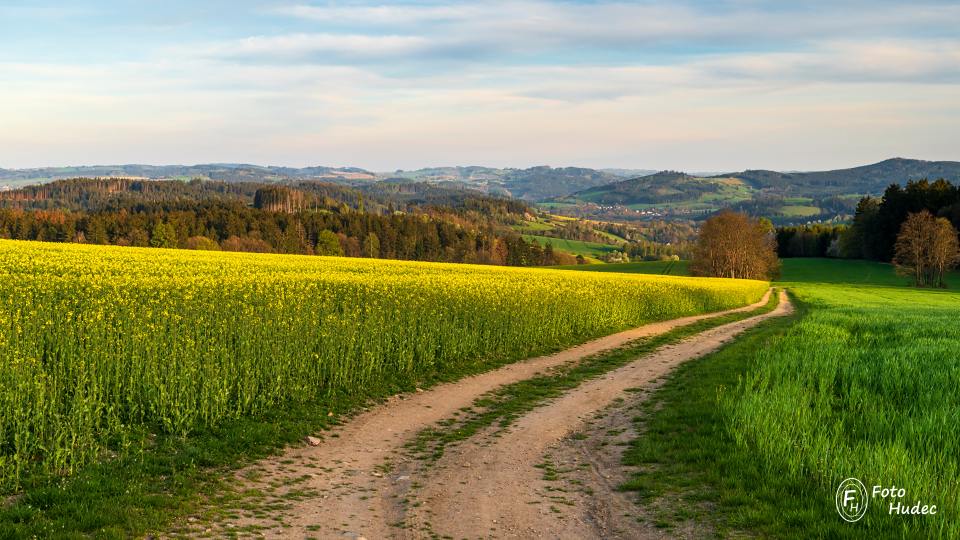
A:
(503, 406)
(690, 471)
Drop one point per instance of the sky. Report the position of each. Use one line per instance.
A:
(695, 86)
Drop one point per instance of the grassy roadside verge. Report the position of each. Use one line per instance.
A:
(507, 403)
(691, 469)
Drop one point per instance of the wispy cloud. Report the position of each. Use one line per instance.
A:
(906, 61)
(651, 84)
(604, 24)
(316, 48)
(391, 15)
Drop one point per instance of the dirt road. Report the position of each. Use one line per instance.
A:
(360, 483)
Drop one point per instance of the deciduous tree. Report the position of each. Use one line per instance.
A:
(201, 243)
(733, 245)
(944, 250)
(926, 248)
(163, 236)
(328, 244)
(371, 246)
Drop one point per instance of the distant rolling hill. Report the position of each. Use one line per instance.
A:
(867, 179)
(531, 184)
(666, 187)
(783, 196)
(227, 172)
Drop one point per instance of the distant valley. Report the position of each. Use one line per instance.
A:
(784, 197)
(532, 184)
(610, 194)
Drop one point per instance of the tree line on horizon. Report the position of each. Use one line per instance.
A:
(282, 220)
(912, 226)
(437, 224)
(877, 222)
(408, 221)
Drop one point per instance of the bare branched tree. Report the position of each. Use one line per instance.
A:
(734, 245)
(926, 249)
(944, 250)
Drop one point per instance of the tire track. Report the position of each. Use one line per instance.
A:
(345, 485)
(492, 487)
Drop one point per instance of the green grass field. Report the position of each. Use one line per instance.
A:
(795, 270)
(854, 272)
(664, 268)
(798, 210)
(576, 247)
(541, 225)
(533, 227)
(862, 382)
(864, 386)
(611, 237)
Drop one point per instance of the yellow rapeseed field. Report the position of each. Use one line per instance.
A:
(97, 340)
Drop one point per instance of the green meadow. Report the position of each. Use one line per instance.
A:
(576, 247)
(861, 382)
(799, 210)
(795, 271)
(863, 385)
(664, 268)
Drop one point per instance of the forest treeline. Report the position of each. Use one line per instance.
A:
(98, 194)
(876, 224)
(402, 220)
(321, 219)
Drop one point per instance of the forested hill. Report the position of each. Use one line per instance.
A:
(673, 186)
(604, 195)
(867, 179)
(662, 187)
(785, 197)
(408, 221)
(228, 172)
(95, 194)
(530, 184)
